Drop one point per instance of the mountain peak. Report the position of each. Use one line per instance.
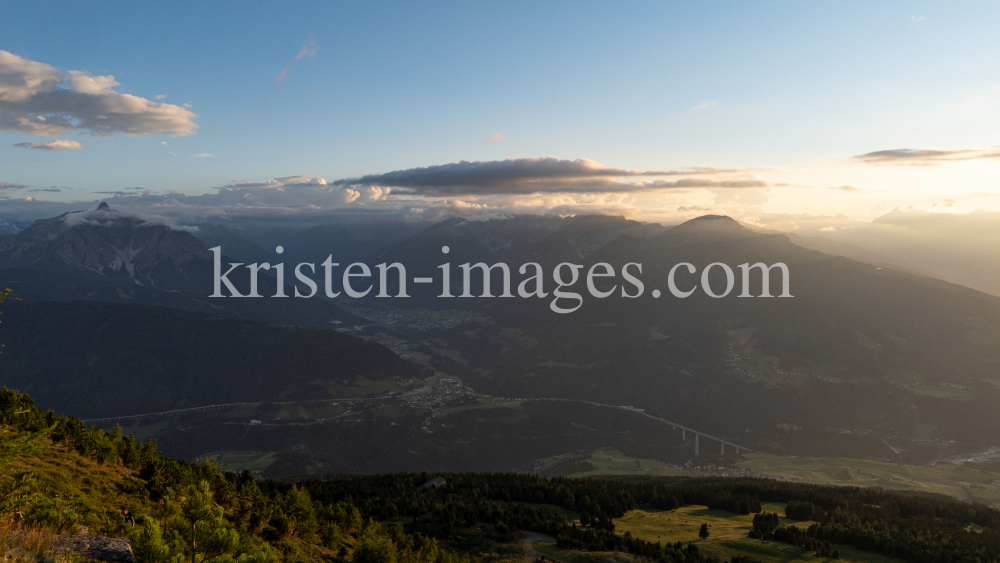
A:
(719, 218)
(707, 228)
(103, 205)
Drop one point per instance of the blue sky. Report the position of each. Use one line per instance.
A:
(782, 91)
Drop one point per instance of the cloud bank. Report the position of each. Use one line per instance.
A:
(522, 176)
(925, 157)
(475, 190)
(41, 100)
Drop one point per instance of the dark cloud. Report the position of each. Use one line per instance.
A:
(516, 176)
(11, 186)
(473, 190)
(924, 157)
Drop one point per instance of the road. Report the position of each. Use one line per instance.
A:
(530, 553)
(452, 384)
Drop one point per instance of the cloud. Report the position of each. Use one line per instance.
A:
(848, 188)
(925, 157)
(917, 18)
(705, 104)
(307, 50)
(160, 96)
(39, 99)
(473, 190)
(127, 192)
(290, 192)
(106, 216)
(495, 138)
(203, 155)
(946, 203)
(55, 145)
(11, 186)
(547, 175)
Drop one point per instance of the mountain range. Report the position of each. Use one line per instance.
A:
(865, 360)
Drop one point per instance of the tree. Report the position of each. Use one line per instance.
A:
(703, 532)
(148, 545)
(5, 296)
(202, 527)
(374, 547)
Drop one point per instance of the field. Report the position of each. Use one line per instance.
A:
(961, 481)
(728, 536)
(608, 461)
(241, 460)
(551, 552)
(964, 482)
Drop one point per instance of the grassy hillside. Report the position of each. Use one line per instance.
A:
(57, 475)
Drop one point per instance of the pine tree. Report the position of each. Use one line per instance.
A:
(148, 545)
(374, 547)
(202, 527)
(5, 296)
(703, 532)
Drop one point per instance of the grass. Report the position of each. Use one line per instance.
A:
(238, 460)
(728, 534)
(964, 482)
(95, 492)
(27, 544)
(609, 461)
(960, 481)
(554, 553)
(89, 487)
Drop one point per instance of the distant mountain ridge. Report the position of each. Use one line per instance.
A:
(863, 360)
(150, 261)
(109, 244)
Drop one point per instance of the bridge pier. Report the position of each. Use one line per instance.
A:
(722, 450)
(683, 434)
(695, 444)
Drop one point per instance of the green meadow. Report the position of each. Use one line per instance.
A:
(965, 482)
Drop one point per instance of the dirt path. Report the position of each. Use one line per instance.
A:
(530, 553)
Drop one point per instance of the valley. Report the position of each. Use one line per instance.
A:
(863, 363)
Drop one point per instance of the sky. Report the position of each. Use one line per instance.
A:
(772, 112)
